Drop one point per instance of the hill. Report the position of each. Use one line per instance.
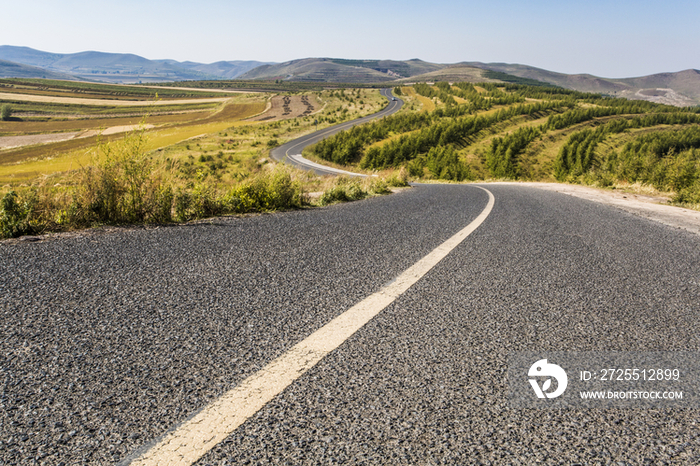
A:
(10, 69)
(495, 131)
(122, 67)
(683, 86)
(222, 69)
(452, 73)
(341, 70)
(679, 89)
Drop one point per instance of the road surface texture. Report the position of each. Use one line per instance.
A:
(290, 152)
(112, 338)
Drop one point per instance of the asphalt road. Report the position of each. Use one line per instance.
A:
(290, 152)
(111, 338)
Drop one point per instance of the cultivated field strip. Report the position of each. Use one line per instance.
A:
(103, 102)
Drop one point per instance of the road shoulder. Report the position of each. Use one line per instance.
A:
(650, 207)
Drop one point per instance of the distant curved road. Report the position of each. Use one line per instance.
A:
(290, 152)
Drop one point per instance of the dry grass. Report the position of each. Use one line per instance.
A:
(427, 104)
(25, 165)
(22, 165)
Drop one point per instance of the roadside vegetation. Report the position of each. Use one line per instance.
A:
(216, 163)
(514, 131)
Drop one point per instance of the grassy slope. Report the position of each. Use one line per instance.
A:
(62, 156)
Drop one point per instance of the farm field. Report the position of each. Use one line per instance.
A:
(21, 165)
(195, 152)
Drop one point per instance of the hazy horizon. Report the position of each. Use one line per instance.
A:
(627, 39)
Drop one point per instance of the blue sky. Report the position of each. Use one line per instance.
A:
(607, 38)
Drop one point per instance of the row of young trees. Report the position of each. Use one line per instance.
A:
(502, 156)
(442, 163)
(578, 155)
(427, 143)
(666, 160)
(348, 146)
(443, 133)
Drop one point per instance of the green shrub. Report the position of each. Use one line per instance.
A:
(5, 112)
(124, 185)
(15, 215)
(344, 190)
(398, 179)
(378, 186)
(204, 202)
(182, 201)
(689, 195)
(268, 191)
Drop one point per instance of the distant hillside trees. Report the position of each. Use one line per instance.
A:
(502, 156)
(578, 155)
(6, 112)
(660, 147)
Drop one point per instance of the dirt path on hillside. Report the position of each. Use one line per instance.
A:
(104, 102)
(651, 207)
(11, 142)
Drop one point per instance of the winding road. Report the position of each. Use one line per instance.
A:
(373, 332)
(290, 152)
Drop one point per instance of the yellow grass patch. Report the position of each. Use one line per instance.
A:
(428, 105)
(391, 138)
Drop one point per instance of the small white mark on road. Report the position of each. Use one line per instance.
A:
(195, 437)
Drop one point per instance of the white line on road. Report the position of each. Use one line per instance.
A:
(195, 437)
(308, 163)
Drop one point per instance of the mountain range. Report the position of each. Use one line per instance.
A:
(679, 88)
(113, 67)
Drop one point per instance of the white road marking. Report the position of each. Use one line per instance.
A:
(195, 437)
(308, 163)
